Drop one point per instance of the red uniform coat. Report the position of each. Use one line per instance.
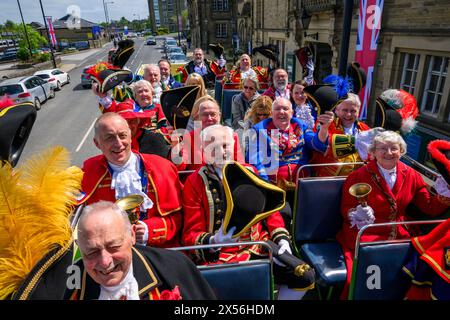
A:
(234, 81)
(328, 157)
(164, 189)
(201, 222)
(408, 188)
(156, 117)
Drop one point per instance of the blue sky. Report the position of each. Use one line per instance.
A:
(91, 10)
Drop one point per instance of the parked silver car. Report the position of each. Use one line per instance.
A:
(30, 88)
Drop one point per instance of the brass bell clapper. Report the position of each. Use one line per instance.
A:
(131, 205)
(360, 191)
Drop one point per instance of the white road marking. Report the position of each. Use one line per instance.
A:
(86, 135)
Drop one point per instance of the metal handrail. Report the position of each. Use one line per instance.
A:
(387, 224)
(227, 245)
(429, 173)
(336, 164)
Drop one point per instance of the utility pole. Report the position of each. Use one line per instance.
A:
(343, 53)
(48, 35)
(177, 9)
(25, 29)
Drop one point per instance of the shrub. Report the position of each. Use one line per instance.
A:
(23, 54)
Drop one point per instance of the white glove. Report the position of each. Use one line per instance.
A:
(220, 237)
(284, 246)
(361, 216)
(441, 187)
(221, 62)
(364, 139)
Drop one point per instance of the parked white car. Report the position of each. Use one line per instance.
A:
(55, 77)
(32, 88)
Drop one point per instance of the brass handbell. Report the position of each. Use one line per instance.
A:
(360, 191)
(131, 205)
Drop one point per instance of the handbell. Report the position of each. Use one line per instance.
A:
(360, 191)
(130, 204)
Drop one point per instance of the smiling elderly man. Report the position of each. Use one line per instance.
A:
(115, 269)
(119, 172)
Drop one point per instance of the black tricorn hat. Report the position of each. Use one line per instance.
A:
(154, 142)
(440, 155)
(269, 51)
(322, 97)
(108, 76)
(16, 122)
(250, 199)
(396, 110)
(125, 49)
(177, 105)
(358, 76)
(217, 48)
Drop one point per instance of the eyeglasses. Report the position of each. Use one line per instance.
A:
(249, 88)
(386, 149)
(263, 114)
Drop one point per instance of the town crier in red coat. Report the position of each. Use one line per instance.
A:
(394, 186)
(118, 172)
(342, 134)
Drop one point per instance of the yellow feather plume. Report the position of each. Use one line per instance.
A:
(36, 201)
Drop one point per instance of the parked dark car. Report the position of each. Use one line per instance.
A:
(151, 41)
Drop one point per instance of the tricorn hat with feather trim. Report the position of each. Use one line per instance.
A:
(396, 110)
(440, 155)
(108, 76)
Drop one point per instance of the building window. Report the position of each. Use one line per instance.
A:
(259, 14)
(409, 71)
(220, 5)
(221, 30)
(436, 74)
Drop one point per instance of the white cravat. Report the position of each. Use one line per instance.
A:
(126, 180)
(127, 289)
(389, 175)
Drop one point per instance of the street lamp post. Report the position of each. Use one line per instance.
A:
(105, 7)
(25, 29)
(139, 19)
(48, 35)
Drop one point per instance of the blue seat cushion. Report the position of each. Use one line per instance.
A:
(240, 281)
(328, 261)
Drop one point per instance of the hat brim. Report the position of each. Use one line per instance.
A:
(436, 149)
(235, 174)
(114, 78)
(16, 122)
(123, 53)
(177, 105)
(322, 97)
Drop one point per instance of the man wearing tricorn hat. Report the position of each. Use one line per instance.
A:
(209, 70)
(224, 202)
(341, 96)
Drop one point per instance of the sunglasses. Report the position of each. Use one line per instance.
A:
(263, 114)
(249, 88)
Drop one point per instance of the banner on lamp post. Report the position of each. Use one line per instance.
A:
(369, 25)
(51, 31)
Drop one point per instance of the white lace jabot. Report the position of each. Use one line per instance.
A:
(127, 289)
(126, 180)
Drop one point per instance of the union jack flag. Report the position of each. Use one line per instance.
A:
(369, 25)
